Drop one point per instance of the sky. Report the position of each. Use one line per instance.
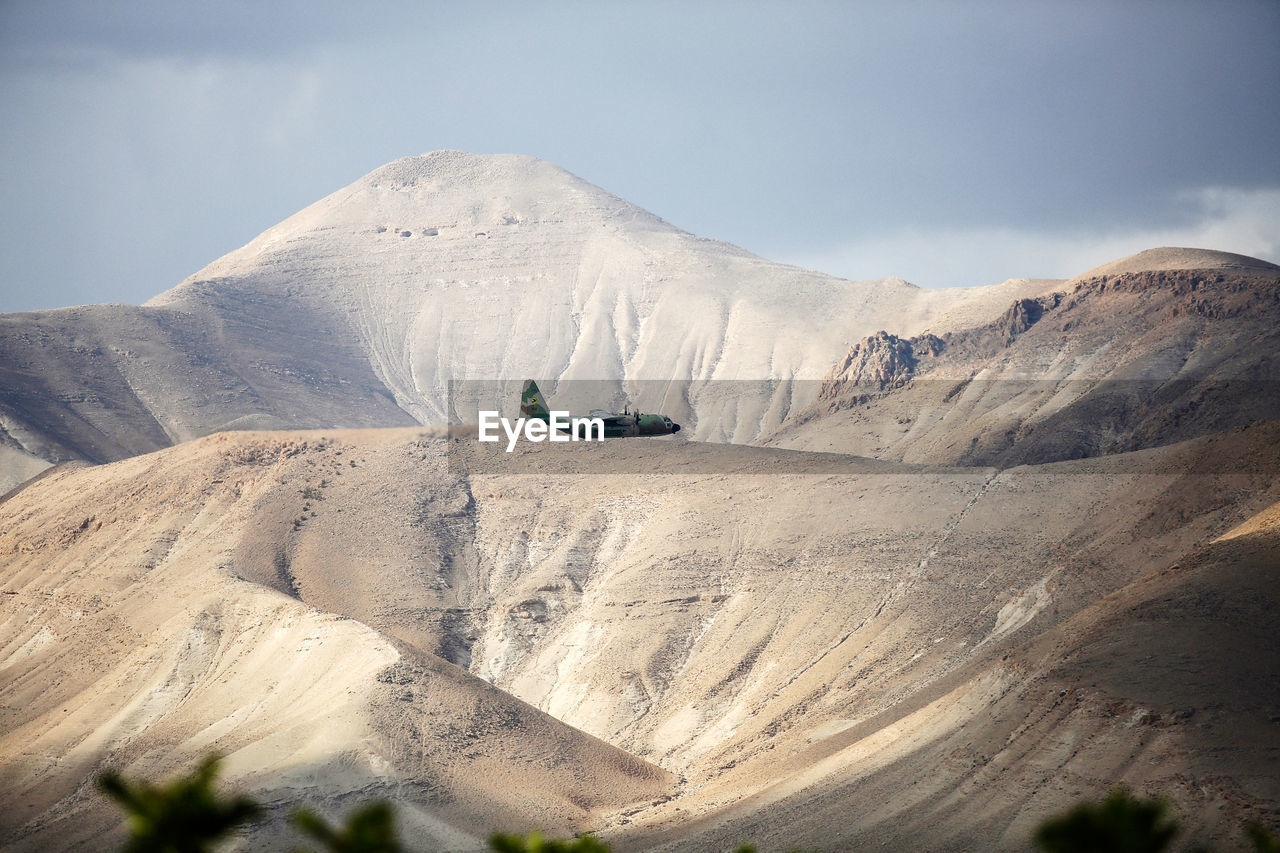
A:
(947, 143)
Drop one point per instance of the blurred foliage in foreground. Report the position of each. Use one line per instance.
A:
(535, 843)
(1121, 823)
(369, 829)
(183, 815)
(188, 815)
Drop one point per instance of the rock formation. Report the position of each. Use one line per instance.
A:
(1119, 361)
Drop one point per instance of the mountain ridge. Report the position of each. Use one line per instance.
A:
(360, 309)
(735, 623)
(1115, 361)
(930, 633)
(1168, 258)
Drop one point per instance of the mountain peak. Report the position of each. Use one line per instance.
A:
(452, 195)
(450, 168)
(452, 184)
(1168, 258)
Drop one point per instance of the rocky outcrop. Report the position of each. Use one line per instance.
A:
(884, 361)
(1022, 315)
(990, 339)
(1214, 294)
(1124, 359)
(876, 363)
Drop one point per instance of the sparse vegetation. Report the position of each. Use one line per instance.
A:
(1264, 840)
(369, 829)
(1121, 823)
(188, 815)
(535, 843)
(183, 815)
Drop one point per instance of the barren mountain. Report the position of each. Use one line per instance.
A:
(1167, 685)
(132, 638)
(751, 620)
(1159, 347)
(1040, 561)
(358, 310)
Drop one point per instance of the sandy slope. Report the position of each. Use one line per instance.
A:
(1168, 685)
(1151, 349)
(744, 617)
(675, 642)
(130, 641)
(359, 309)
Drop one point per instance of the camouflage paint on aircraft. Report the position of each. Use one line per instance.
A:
(616, 424)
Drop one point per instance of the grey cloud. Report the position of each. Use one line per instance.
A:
(791, 129)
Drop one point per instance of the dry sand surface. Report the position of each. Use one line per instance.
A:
(764, 632)
(131, 639)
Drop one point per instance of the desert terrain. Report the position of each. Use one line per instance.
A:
(359, 310)
(969, 557)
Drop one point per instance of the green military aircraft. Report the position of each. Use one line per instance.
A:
(616, 424)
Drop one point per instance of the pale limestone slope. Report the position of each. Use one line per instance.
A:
(511, 268)
(1169, 686)
(714, 621)
(18, 465)
(745, 617)
(1151, 349)
(129, 639)
(514, 268)
(104, 382)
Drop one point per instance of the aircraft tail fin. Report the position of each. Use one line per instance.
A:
(532, 404)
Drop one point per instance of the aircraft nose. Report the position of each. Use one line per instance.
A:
(675, 428)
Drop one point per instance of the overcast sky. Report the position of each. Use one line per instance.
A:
(944, 142)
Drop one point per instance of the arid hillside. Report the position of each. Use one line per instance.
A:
(1014, 547)
(135, 636)
(1168, 685)
(360, 309)
(1160, 347)
(716, 630)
